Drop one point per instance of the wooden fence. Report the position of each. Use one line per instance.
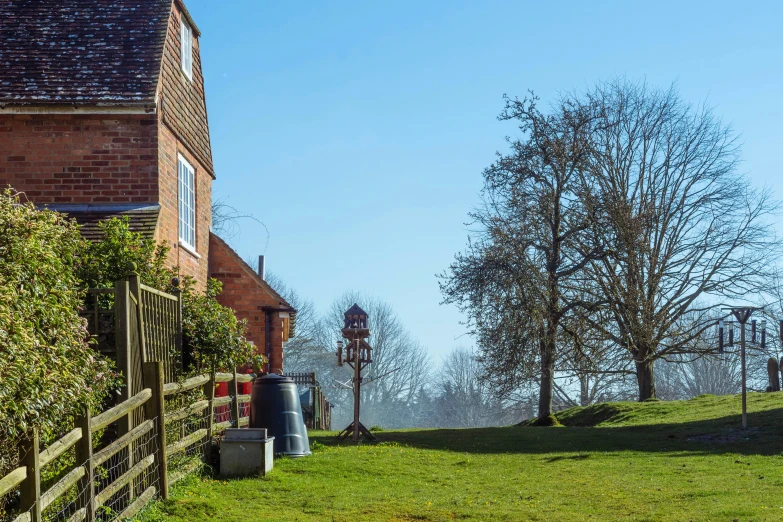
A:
(321, 417)
(140, 458)
(162, 328)
(317, 411)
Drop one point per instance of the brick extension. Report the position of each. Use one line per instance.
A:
(266, 312)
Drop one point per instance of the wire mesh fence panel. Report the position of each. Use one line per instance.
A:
(68, 505)
(223, 414)
(123, 483)
(119, 474)
(125, 477)
(187, 438)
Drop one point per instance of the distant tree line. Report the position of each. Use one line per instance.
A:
(402, 387)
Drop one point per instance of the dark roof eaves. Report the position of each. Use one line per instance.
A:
(100, 207)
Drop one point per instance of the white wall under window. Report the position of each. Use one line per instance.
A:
(186, 48)
(187, 203)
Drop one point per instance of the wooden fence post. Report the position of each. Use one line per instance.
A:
(321, 408)
(123, 341)
(84, 454)
(233, 390)
(184, 361)
(155, 410)
(134, 283)
(209, 391)
(30, 489)
(314, 406)
(130, 356)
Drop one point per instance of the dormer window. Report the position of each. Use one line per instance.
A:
(186, 52)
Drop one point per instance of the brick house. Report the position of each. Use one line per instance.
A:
(103, 113)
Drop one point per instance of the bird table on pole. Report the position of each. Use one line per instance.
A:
(358, 354)
(742, 314)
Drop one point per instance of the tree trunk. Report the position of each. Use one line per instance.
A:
(645, 378)
(547, 377)
(549, 341)
(584, 390)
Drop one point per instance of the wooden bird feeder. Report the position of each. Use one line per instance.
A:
(357, 353)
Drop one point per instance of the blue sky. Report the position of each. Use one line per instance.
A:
(357, 131)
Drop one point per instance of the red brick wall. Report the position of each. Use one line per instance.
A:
(62, 158)
(190, 264)
(247, 297)
(66, 158)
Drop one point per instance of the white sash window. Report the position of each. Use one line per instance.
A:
(187, 203)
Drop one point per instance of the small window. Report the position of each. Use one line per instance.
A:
(187, 204)
(186, 36)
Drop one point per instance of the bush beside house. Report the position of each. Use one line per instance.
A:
(105, 261)
(48, 371)
(213, 333)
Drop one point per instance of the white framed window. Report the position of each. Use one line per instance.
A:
(187, 204)
(186, 47)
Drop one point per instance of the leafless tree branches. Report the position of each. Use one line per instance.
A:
(514, 280)
(684, 227)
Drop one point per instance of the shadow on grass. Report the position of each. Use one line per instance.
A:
(712, 436)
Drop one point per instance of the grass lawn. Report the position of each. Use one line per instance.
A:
(681, 460)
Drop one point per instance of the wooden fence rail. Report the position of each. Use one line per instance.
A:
(144, 473)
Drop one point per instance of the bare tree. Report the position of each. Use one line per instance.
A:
(591, 371)
(226, 219)
(465, 399)
(514, 281)
(679, 219)
(711, 374)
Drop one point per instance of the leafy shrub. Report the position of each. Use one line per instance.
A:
(106, 261)
(48, 372)
(215, 336)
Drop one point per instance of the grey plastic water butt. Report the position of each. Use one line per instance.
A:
(274, 405)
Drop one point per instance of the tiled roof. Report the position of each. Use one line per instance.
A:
(142, 218)
(81, 52)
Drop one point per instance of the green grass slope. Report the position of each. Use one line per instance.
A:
(668, 461)
(721, 410)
